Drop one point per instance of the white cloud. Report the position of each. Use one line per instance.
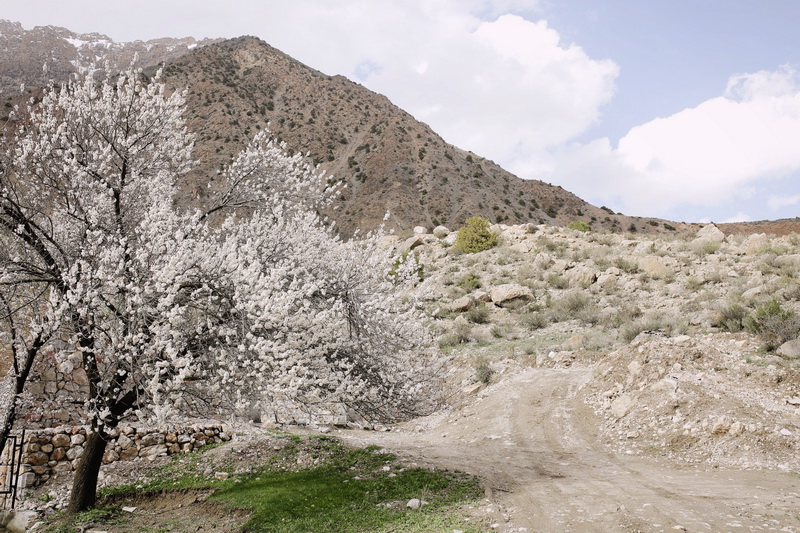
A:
(485, 79)
(723, 149)
(778, 202)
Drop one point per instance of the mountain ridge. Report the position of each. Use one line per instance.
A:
(390, 161)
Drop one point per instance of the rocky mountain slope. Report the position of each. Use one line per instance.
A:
(49, 54)
(693, 338)
(389, 161)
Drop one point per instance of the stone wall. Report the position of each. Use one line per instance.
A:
(51, 451)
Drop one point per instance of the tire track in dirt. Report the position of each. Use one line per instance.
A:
(534, 444)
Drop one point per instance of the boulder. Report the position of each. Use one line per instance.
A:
(755, 244)
(622, 405)
(790, 349)
(522, 247)
(440, 232)
(710, 232)
(420, 230)
(462, 304)
(580, 276)
(654, 266)
(504, 294)
(411, 243)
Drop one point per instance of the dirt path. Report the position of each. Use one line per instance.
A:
(534, 443)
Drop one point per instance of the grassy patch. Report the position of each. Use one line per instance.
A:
(345, 490)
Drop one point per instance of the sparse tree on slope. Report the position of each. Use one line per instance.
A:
(164, 307)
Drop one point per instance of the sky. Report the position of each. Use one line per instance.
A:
(687, 110)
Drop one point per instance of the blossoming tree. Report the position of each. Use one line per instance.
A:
(249, 298)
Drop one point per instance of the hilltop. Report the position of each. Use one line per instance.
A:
(389, 161)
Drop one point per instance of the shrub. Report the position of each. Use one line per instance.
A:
(732, 318)
(534, 321)
(483, 372)
(629, 267)
(478, 314)
(579, 225)
(470, 282)
(474, 236)
(774, 324)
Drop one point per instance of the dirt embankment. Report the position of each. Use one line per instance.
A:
(535, 442)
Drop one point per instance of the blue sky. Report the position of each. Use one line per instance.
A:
(684, 109)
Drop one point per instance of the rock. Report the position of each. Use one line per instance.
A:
(710, 232)
(440, 232)
(411, 243)
(76, 439)
(622, 405)
(128, 453)
(790, 349)
(755, 244)
(736, 429)
(414, 503)
(151, 439)
(58, 454)
(472, 389)
(151, 452)
(580, 276)
(124, 442)
(655, 267)
(420, 230)
(504, 294)
(36, 458)
(720, 426)
(462, 304)
(74, 452)
(576, 342)
(222, 476)
(523, 247)
(61, 441)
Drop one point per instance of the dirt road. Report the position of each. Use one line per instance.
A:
(534, 443)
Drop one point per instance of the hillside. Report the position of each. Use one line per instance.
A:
(597, 382)
(35, 58)
(390, 161)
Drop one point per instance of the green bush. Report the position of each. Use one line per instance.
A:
(478, 314)
(483, 372)
(732, 318)
(470, 282)
(774, 324)
(474, 236)
(579, 225)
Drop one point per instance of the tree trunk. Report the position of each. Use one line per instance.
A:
(84, 483)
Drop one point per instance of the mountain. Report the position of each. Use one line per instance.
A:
(49, 54)
(389, 160)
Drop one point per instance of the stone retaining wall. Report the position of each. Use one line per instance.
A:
(53, 451)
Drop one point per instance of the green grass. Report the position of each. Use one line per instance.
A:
(349, 490)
